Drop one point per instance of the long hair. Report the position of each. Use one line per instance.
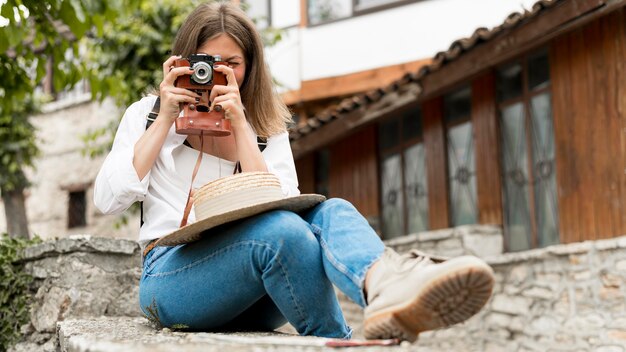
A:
(266, 112)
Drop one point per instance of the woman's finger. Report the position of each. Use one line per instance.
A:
(227, 106)
(169, 63)
(171, 76)
(230, 75)
(223, 98)
(178, 98)
(218, 90)
(230, 106)
(184, 91)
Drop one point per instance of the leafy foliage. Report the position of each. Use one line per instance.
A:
(118, 46)
(125, 61)
(16, 103)
(36, 32)
(14, 283)
(18, 146)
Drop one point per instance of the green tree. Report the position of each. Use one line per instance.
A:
(124, 62)
(35, 33)
(123, 45)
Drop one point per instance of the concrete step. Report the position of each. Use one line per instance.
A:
(113, 334)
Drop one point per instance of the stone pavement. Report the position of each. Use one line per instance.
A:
(117, 334)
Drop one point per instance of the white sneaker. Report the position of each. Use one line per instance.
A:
(415, 292)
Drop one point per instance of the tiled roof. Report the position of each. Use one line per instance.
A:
(457, 48)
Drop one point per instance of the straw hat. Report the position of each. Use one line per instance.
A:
(236, 197)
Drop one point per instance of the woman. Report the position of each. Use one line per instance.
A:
(263, 271)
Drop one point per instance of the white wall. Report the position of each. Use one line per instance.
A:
(284, 60)
(401, 34)
(285, 13)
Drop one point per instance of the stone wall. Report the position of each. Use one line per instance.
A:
(561, 298)
(79, 276)
(479, 240)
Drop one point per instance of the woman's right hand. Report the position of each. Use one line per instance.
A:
(172, 97)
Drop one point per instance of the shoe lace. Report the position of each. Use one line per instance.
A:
(432, 257)
(411, 259)
(401, 263)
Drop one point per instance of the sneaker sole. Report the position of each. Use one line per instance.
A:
(450, 297)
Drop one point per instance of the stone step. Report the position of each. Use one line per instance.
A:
(113, 334)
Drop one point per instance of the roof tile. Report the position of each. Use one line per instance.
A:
(457, 48)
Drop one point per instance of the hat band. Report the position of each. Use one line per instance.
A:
(239, 199)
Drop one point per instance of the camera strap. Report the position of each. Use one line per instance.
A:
(189, 203)
(152, 115)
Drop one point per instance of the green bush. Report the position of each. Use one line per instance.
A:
(14, 283)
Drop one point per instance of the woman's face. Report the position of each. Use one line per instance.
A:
(230, 52)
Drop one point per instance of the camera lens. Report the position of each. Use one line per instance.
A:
(202, 72)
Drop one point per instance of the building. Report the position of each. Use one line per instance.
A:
(386, 123)
(521, 125)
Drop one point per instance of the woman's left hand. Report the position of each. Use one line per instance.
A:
(228, 97)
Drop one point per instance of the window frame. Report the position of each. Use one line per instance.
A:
(399, 149)
(270, 18)
(356, 12)
(75, 221)
(447, 125)
(525, 99)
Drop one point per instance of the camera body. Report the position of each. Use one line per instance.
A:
(198, 118)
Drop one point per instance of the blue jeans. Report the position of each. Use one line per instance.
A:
(258, 273)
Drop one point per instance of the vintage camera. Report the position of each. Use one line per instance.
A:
(198, 118)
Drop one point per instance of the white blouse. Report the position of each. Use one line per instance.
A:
(164, 189)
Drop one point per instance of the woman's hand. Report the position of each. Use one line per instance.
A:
(148, 146)
(229, 98)
(172, 97)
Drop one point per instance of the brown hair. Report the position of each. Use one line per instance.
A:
(266, 111)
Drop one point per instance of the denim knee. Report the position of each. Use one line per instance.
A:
(286, 230)
(334, 207)
(337, 203)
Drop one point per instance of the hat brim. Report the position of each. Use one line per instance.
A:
(193, 232)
